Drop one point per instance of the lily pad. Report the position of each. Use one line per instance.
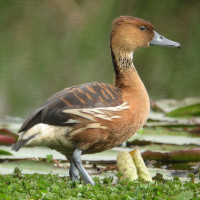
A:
(31, 166)
(185, 195)
(7, 132)
(6, 140)
(3, 152)
(7, 136)
(187, 111)
(42, 152)
(164, 136)
(168, 105)
(184, 155)
(158, 119)
(11, 123)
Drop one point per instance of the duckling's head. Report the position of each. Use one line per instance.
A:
(131, 33)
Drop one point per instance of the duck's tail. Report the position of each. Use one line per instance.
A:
(21, 142)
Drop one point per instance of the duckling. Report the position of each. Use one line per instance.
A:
(95, 117)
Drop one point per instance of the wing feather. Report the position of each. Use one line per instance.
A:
(85, 96)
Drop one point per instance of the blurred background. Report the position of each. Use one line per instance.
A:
(47, 45)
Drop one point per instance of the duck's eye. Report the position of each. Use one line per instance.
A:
(142, 28)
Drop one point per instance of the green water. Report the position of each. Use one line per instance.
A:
(47, 45)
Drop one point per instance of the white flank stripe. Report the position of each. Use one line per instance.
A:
(115, 117)
(72, 121)
(92, 126)
(78, 112)
(95, 125)
(77, 131)
(102, 112)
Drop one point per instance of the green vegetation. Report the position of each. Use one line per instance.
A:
(164, 131)
(2, 152)
(46, 187)
(188, 111)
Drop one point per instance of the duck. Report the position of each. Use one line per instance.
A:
(94, 117)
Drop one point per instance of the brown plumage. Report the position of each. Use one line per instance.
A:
(92, 95)
(94, 117)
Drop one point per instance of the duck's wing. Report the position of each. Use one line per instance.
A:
(62, 108)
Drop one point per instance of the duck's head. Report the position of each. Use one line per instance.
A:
(131, 33)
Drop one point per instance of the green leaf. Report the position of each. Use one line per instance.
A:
(7, 132)
(168, 105)
(49, 158)
(3, 152)
(184, 195)
(187, 111)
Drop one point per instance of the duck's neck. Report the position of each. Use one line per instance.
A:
(125, 72)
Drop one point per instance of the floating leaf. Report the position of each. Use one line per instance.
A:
(187, 111)
(7, 137)
(185, 155)
(3, 152)
(5, 131)
(161, 119)
(184, 195)
(49, 158)
(5, 140)
(164, 105)
(168, 105)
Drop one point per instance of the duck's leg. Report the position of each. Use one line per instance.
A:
(73, 172)
(78, 164)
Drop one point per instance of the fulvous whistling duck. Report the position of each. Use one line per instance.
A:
(94, 117)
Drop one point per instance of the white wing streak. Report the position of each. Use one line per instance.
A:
(88, 126)
(105, 113)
